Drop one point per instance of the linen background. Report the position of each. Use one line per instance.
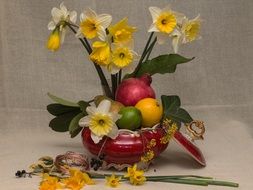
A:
(215, 87)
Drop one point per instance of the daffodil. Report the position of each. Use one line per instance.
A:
(73, 183)
(112, 181)
(121, 32)
(53, 42)
(122, 57)
(136, 177)
(101, 53)
(164, 22)
(186, 32)
(131, 171)
(81, 176)
(100, 121)
(49, 183)
(93, 25)
(59, 16)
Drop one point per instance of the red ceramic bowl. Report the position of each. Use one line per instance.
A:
(128, 147)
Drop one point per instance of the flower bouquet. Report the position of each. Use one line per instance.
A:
(127, 123)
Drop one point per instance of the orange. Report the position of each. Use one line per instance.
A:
(151, 111)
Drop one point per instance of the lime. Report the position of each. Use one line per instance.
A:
(131, 118)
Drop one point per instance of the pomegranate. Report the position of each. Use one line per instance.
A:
(131, 90)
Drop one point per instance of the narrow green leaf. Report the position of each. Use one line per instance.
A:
(61, 123)
(162, 64)
(74, 127)
(59, 109)
(62, 101)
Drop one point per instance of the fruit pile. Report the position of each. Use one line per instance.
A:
(135, 102)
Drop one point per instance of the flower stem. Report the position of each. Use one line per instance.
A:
(114, 79)
(100, 72)
(149, 50)
(181, 181)
(119, 76)
(143, 54)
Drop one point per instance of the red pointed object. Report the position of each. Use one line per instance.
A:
(190, 148)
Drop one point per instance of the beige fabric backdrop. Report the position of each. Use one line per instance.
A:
(216, 87)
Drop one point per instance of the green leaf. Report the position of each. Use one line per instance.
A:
(62, 101)
(172, 110)
(180, 115)
(61, 123)
(83, 105)
(74, 127)
(162, 64)
(59, 109)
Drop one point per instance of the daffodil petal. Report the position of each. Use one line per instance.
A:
(153, 28)
(102, 34)
(115, 116)
(114, 132)
(91, 110)
(63, 7)
(56, 14)
(63, 34)
(104, 106)
(84, 122)
(155, 12)
(105, 20)
(166, 8)
(51, 25)
(113, 69)
(73, 16)
(82, 17)
(79, 33)
(90, 13)
(95, 138)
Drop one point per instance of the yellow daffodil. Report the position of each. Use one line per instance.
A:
(100, 121)
(59, 16)
(81, 176)
(53, 42)
(93, 25)
(122, 57)
(131, 171)
(112, 181)
(164, 22)
(122, 32)
(186, 32)
(138, 178)
(190, 29)
(101, 53)
(49, 183)
(73, 183)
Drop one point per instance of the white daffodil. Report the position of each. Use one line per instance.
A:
(164, 22)
(93, 25)
(122, 56)
(186, 32)
(59, 15)
(100, 121)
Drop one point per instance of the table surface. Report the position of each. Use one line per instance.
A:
(228, 149)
